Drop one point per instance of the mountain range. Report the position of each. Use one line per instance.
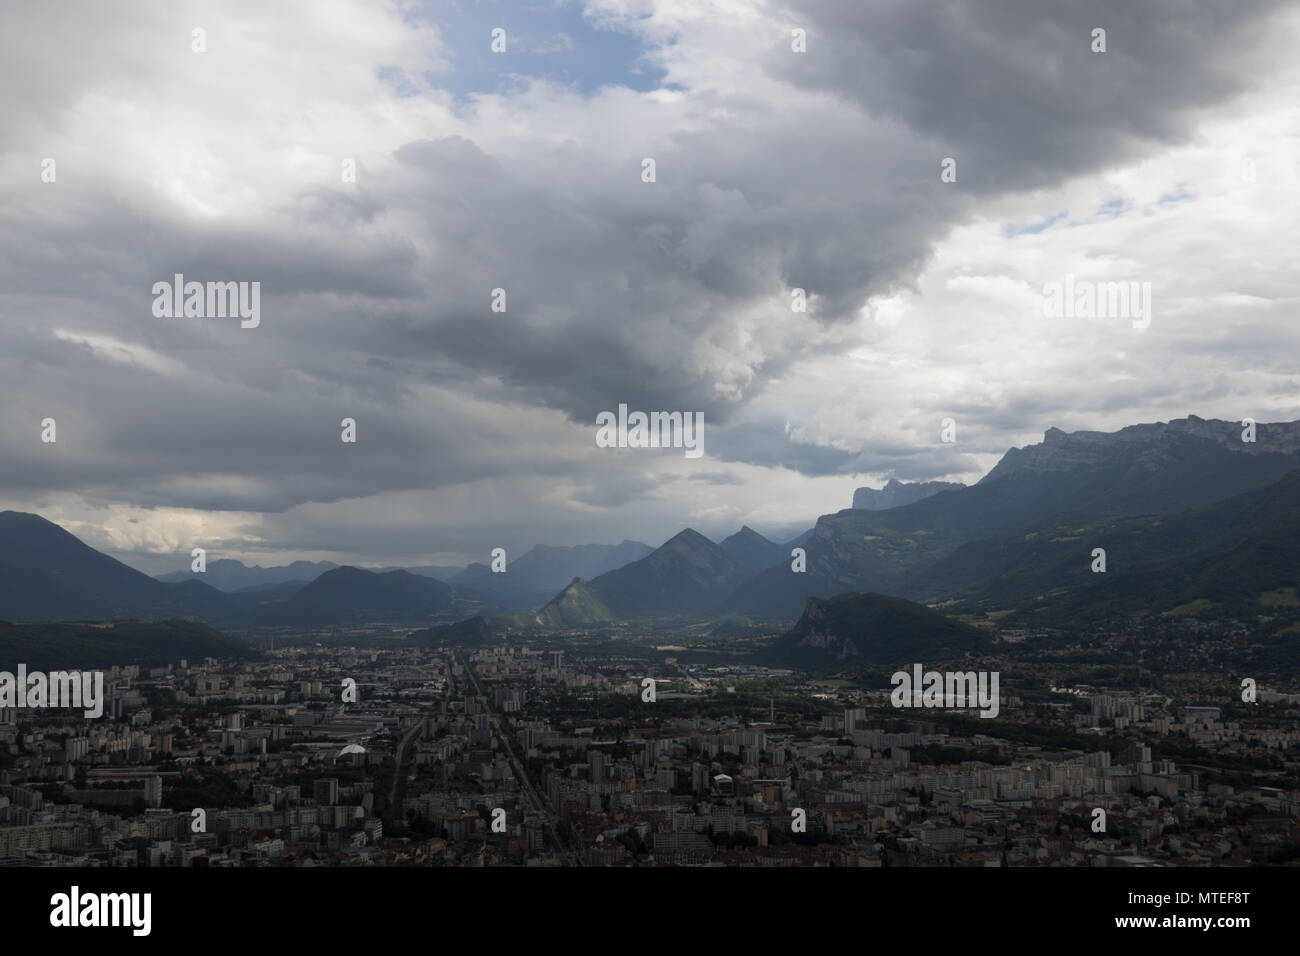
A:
(1239, 557)
(47, 574)
(533, 578)
(1173, 504)
(1073, 480)
(226, 574)
(688, 575)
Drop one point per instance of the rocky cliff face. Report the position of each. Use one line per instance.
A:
(1149, 445)
(896, 493)
(1071, 479)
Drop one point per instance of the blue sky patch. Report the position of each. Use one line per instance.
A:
(545, 39)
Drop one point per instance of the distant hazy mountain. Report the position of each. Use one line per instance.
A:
(753, 552)
(798, 541)
(545, 564)
(688, 574)
(1161, 498)
(534, 577)
(439, 572)
(896, 493)
(873, 630)
(1078, 478)
(47, 574)
(350, 595)
(226, 574)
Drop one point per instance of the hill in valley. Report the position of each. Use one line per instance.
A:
(474, 630)
(577, 605)
(873, 630)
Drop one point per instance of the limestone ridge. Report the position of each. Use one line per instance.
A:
(897, 493)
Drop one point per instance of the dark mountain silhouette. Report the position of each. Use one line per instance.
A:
(873, 630)
(350, 595)
(47, 574)
(1053, 556)
(475, 630)
(1239, 558)
(1077, 479)
(439, 572)
(753, 552)
(532, 579)
(687, 575)
(1176, 498)
(79, 646)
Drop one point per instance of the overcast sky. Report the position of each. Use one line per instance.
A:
(1169, 159)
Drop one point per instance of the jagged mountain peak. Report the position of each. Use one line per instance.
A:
(687, 536)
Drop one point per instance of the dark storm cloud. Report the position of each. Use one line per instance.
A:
(766, 443)
(613, 287)
(666, 296)
(1012, 89)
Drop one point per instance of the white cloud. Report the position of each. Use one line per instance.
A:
(474, 427)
